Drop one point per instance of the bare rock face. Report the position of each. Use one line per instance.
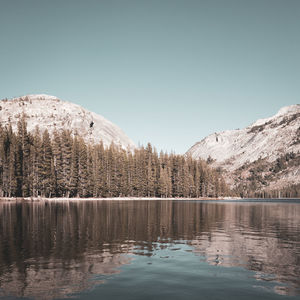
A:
(49, 112)
(269, 148)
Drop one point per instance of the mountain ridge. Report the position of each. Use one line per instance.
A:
(265, 141)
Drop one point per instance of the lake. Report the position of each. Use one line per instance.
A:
(160, 249)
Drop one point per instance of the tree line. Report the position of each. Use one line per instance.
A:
(291, 191)
(262, 173)
(63, 165)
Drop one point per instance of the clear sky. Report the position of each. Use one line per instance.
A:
(165, 71)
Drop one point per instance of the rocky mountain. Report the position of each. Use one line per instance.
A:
(49, 112)
(263, 156)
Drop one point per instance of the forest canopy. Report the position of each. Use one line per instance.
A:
(63, 165)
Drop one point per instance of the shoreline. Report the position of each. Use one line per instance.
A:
(63, 199)
(37, 199)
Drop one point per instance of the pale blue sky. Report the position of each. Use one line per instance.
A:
(169, 72)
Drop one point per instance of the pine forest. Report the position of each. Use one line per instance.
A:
(63, 165)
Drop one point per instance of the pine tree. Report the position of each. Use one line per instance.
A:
(82, 169)
(91, 168)
(12, 166)
(100, 170)
(164, 183)
(22, 159)
(66, 143)
(37, 157)
(47, 180)
(58, 166)
(151, 172)
(74, 176)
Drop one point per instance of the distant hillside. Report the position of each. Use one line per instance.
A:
(49, 112)
(262, 157)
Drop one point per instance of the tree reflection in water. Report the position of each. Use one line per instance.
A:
(60, 247)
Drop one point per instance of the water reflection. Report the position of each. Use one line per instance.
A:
(60, 247)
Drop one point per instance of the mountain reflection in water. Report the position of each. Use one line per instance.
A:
(54, 249)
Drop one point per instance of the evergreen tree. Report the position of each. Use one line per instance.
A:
(151, 171)
(82, 169)
(58, 166)
(22, 159)
(37, 164)
(66, 149)
(74, 175)
(47, 180)
(12, 166)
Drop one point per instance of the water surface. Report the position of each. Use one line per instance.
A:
(150, 250)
